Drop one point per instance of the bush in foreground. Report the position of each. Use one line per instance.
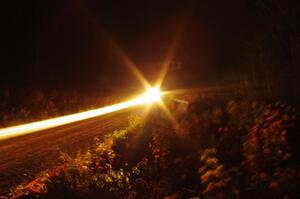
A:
(234, 149)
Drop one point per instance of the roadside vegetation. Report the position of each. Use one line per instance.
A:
(220, 149)
(29, 104)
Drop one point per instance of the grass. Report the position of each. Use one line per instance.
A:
(223, 149)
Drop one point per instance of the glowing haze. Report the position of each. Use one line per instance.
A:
(153, 94)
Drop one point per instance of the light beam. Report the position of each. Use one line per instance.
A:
(152, 95)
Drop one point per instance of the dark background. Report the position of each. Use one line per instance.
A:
(65, 43)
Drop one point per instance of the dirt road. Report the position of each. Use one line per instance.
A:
(22, 155)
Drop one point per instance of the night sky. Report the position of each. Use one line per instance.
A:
(64, 43)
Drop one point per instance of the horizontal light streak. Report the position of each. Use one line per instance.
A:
(59, 121)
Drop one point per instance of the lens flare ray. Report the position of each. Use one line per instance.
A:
(150, 96)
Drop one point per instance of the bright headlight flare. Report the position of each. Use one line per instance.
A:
(150, 96)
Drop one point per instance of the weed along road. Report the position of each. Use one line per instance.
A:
(21, 155)
(27, 149)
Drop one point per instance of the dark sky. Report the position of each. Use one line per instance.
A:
(57, 43)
